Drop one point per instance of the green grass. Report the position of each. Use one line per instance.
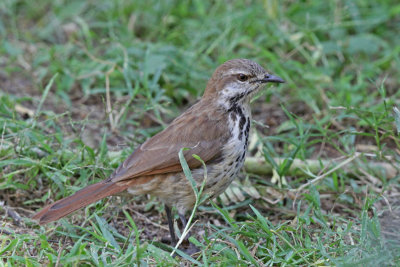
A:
(60, 59)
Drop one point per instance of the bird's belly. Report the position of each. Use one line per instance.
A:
(221, 175)
(174, 189)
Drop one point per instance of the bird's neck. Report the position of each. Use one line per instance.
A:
(237, 104)
(232, 104)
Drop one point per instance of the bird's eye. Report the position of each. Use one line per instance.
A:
(242, 77)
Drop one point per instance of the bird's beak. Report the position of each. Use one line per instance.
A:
(269, 78)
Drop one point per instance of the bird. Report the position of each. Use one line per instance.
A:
(216, 129)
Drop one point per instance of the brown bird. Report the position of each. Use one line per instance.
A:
(216, 129)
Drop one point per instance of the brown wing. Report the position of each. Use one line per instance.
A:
(202, 128)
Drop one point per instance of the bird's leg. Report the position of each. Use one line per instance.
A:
(192, 248)
(183, 221)
(170, 225)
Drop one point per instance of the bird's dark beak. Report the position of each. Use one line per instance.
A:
(269, 78)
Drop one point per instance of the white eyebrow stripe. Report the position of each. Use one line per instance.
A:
(237, 71)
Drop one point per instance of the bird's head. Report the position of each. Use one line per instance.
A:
(239, 80)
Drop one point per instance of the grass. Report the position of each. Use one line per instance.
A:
(83, 83)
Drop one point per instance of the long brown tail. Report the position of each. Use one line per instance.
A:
(80, 199)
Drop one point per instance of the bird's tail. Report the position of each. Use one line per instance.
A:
(80, 199)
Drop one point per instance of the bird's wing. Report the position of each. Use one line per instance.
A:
(201, 129)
